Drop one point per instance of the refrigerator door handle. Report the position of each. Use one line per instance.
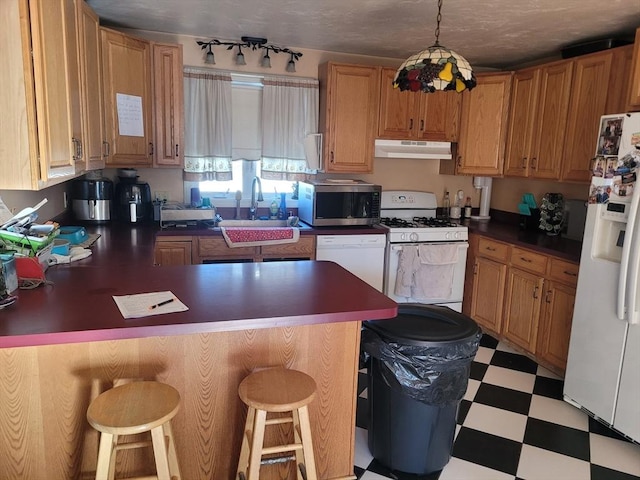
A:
(629, 253)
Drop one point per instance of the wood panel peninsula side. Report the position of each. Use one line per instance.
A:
(61, 345)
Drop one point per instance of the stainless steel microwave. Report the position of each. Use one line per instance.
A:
(339, 202)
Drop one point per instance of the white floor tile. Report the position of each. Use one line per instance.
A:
(543, 372)
(458, 469)
(372, 476)
(362, 455)
(539, 464)
(557, 411)
(615, 454)
(484, 355)
(472, 389)
(505, 377)
(496, 421)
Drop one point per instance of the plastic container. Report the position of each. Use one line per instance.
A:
(9, 272)
(418, 373)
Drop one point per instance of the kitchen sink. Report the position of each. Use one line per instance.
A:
(260, 223)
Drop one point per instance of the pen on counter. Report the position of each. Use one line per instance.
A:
(166, 302)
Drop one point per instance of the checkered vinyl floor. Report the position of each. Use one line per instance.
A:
(513, 424)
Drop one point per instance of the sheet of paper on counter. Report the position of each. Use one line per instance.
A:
(141, 305)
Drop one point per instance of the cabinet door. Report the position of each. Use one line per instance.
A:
(168, 87)
(438, 116)
(555, 324)
(57, 83)
(524, 99)
(397, 109)
(126, 68)
(488, 293)
(90, 87)
(634, 87)
(551, 122)
(483, 125)
(589, 90)
(349, 96)
(522, 308)
(172, 253)
(619, 82)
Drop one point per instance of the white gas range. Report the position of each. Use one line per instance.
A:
(426, 256)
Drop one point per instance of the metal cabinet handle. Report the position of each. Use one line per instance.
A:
(475, 268)
(525, 260)
(331, 160)
(547, 298)
(571, 274)
(534, 163)
(459, 160)
(177, 150)
(524, 162)
(491, 249)
(411, 124)
(106, 149)
(422, 125)
(535, 292)
(150, 148)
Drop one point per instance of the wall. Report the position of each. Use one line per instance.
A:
(507, 192)
(16, 200)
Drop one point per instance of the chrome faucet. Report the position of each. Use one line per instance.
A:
(253, 208)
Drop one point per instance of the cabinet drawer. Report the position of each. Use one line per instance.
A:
(565, 272)
(304, 247)
(492, 249)
(527, 260)
(214, 247)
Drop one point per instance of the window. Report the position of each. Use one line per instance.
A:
(246, 94)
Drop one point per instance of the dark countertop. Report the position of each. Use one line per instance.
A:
(504, 229)
(78, 306)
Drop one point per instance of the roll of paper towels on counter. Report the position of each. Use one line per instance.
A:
(313, 150)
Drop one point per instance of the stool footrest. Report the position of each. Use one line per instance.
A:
(130, 445)
(274, 460)
(282, 448)
(279, 421)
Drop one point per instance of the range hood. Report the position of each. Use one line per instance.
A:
(412, 149)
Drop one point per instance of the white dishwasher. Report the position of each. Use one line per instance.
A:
(362, 255)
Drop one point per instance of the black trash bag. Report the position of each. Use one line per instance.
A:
(434, 375)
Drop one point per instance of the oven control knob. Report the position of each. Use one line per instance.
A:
(447, 235)
(413, 237)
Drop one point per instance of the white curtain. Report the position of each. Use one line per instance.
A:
(207, 125)
(289, 114)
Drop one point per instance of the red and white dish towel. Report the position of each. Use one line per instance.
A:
(255, 236)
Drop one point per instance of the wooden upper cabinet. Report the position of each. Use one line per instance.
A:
(524, 99)
(588, 102)
(126, 68)
(41, 140)
(417, 115)
(551, 121)
(168, 98)
(92, 106)
(349, 96)
(483, 125)
(633, 104)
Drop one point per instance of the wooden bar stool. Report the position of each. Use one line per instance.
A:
(131, 409)
(270, 391)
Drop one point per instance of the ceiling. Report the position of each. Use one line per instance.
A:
(489, 33)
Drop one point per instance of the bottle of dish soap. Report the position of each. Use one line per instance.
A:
(273, 210)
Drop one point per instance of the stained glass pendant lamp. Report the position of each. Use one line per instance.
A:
(436, 68)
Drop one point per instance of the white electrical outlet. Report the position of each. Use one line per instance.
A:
(65, 200)
(162, 196)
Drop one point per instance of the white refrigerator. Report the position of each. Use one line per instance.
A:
(603, 368)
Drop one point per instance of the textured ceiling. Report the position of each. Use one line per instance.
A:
(489, 33)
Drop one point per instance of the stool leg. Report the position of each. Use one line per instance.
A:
(174, 468)
(296, 436)
(105, 469)
(307, 444)
(160, 453)
(247, 433)
(257, 440)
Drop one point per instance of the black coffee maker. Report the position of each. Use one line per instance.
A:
(133, 200)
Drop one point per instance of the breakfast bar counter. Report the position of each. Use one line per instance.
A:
(62, 344)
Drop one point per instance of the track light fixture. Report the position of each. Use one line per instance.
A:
(254, 43)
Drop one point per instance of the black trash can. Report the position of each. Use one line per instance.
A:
(419, 364)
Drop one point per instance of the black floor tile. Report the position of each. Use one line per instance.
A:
(358, 472)
(548, 387)
(377, 467)
(488, 341)
(557, 438)
(603, 473)
(478, 370)
(487, 450)
(514, 361)
(463, 409)
(503, 398)
(362, 413)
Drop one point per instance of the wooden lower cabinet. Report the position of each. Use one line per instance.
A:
(523, 297)
(173, 252)
(522, 308)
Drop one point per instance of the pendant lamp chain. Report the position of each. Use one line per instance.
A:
(438, 19)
